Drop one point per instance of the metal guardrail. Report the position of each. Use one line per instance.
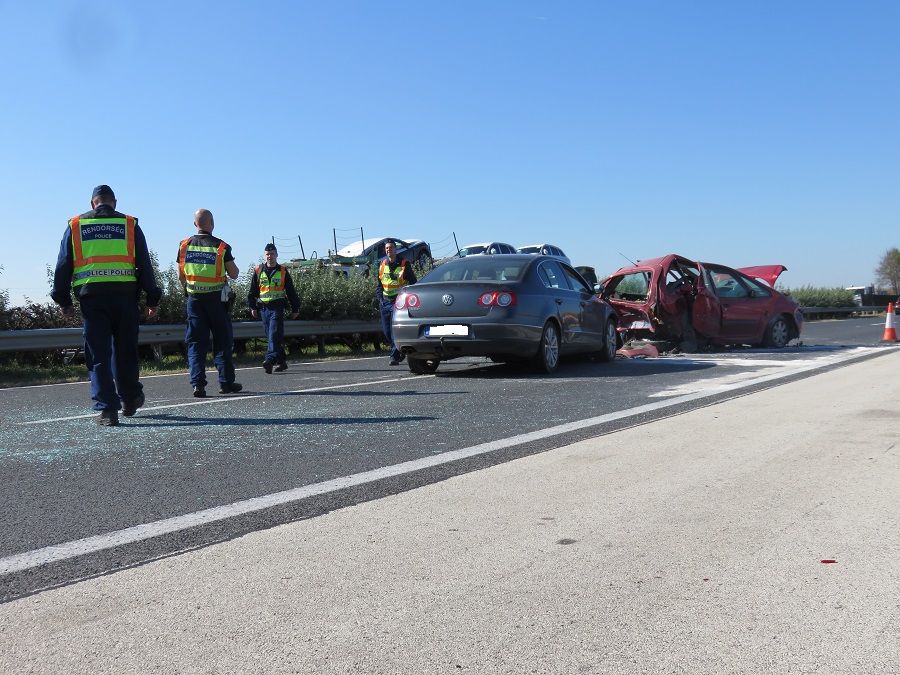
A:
(153, 334)
(157, 334)
(810, 312)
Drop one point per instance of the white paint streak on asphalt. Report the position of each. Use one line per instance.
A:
(232, 399)
(101, 542)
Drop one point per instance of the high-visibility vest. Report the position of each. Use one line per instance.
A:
(202, 267)
(103, 250)
(391, 282)
(271, 288)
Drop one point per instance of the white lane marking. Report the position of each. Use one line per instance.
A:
(182, 373)
(722, 382)
(231, 399)
(101, 542)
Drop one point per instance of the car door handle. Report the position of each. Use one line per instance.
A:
(558, 301)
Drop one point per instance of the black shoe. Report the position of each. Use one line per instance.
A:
(267, 366)
(130, 407)
(199, 391)
(107, 418)
(231, 388)
(280, 367)
(394, 362)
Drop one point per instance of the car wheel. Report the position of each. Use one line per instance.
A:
(422, 366)
(778, 334)
(424, 260)
(547, 357)
(608, 353)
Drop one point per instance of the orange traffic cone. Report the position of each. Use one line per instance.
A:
(890, 333)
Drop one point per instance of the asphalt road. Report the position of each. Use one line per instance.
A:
(70, 484)
(757, 534)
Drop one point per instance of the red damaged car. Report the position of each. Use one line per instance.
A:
(673, 299)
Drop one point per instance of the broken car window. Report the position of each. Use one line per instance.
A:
(727, 285)
(633, 287)
(757, 289)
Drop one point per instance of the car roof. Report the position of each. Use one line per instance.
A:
(358, 245)
(507, 258)
(485, 243)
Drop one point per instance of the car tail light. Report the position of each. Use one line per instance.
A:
(406, 301)
(497, 299)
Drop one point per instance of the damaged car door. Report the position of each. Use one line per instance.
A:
(729, 307)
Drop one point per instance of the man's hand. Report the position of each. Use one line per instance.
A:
(69, 311)
(254, 313)
(294, 315)
(152, 312)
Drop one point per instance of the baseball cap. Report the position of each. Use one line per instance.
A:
(103, 191)
(270, 247)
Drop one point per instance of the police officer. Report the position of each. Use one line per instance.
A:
(104, 258)
(393, 275)
(271, 289)
(203, 262)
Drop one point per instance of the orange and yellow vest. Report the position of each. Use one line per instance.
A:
(271, 288)
(202, 267)
(103, 250)
(391, 282)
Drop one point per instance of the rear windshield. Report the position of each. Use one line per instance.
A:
(482, 268)
(530, 249)
(471, 250)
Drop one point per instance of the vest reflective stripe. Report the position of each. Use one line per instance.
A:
(390, 283)
(103, 250)
(203, 276)
(273, 287)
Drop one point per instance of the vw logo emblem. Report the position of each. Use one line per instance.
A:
(447, 299)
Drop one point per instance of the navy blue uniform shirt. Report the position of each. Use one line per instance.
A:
(408, 276)
(65, 265)
(203, 238)
(253, 295)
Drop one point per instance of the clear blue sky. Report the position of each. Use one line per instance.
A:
(737, 132)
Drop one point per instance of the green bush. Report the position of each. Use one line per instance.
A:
(810, 296)
(326, 295)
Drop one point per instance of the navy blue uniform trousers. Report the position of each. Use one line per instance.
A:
(273, 323)
(207, 314)
(111, 348)
(387, 312)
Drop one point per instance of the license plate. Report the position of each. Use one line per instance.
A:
(443, 331)
(639, 325)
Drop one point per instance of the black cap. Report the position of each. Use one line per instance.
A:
(103, 191)
(270, 247)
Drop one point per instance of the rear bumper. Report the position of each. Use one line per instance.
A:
(485, 339)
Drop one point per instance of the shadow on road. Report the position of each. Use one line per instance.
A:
(182, 421)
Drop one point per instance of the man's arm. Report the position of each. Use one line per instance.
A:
(253, 293)
(62, 275)
(178, 266)
(145, 276)
(410, 275)
(232, 269)
(379, 291)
